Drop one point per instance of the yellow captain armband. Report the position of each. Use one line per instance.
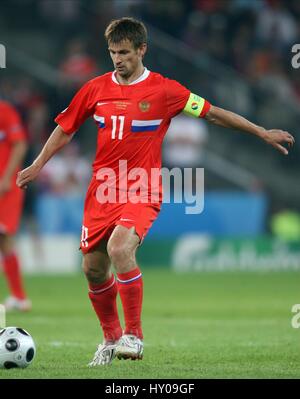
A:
(194, 105)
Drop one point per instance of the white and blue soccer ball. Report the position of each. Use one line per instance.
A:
(17, 348)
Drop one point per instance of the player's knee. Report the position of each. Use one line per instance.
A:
(94, 275)
(117, 253)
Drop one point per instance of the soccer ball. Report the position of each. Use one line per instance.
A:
(17, 348)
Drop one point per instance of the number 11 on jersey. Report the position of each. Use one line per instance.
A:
(114, 126)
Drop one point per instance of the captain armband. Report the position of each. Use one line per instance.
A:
(196, 106)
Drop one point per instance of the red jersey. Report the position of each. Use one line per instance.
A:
(132, 119)
(11, 130)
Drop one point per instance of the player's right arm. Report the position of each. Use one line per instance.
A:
(56, 141)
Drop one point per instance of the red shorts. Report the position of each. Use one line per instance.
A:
(99, 220)
(11, 205)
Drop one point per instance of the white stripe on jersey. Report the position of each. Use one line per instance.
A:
(155, 122)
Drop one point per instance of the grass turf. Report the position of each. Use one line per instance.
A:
(205, 325)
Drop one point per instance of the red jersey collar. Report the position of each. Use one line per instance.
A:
(143, 76)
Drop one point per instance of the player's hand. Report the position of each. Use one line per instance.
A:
(5, 186)
(277, 138)
(25, 176)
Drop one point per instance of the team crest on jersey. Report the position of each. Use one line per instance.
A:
(144, 106)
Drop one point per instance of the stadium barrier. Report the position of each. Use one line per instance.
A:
(202, 252)
(225, 214)
(194, 252)
(49, 253)
(228, 234)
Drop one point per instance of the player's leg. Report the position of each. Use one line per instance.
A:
(103, 293)
(121, 248)
(11, 205)
(12, 271)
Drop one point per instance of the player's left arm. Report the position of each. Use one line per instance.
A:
(16, 158)
(274, 137)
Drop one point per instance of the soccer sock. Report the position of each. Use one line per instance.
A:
(12, 271)
(130, 286)
(104, 300)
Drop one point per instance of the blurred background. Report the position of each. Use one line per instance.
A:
(235, 53)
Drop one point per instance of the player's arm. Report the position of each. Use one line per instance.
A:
(56, 141)
(17, 155)
(274, 137)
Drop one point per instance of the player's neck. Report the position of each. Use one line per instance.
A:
(129, 79)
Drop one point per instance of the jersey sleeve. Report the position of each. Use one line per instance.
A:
(80, 108)
(177, 96)
(14, 126)
(196, 106)
(179, 99)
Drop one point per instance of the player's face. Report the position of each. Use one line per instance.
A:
(126, 58)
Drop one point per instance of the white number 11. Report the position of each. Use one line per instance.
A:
(114, 126)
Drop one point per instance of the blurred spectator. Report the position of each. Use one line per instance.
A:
(77, 67)
(121, 7)
(63, 16)
(194, 34)
(274, 80)
(259, 63)
(296, 83)
(211, 6)
(256, 5)
(74, 71)
(67, 173)
(184, 148)
(31, 102)
(168, 15)
(185, 142)
(276, 26)
(62, 183)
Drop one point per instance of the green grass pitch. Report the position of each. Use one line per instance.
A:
(205, 325)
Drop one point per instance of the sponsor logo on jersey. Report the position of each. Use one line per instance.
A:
(145, 126)
(194, 106)
(101, 104)
(144, 106)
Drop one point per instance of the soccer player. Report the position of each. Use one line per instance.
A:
(132, 108)
(13, 147)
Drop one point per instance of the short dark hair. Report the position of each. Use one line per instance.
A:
(126, 28)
